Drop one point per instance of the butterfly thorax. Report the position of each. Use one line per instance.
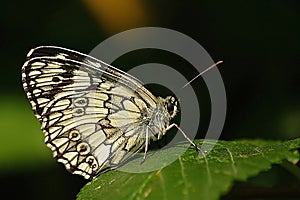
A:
(160, 118)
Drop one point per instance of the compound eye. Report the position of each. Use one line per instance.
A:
(170, 107)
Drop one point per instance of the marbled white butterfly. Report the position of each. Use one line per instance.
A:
(94, 116)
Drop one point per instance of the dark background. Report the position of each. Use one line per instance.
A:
(259, 42)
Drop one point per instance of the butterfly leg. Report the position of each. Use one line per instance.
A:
(186, 137)
(146, 145)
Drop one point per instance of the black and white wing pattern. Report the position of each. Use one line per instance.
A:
(94, 116)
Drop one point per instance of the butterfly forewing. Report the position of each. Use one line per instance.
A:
(94, 116)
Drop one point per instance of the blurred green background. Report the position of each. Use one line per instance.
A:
(259, 42)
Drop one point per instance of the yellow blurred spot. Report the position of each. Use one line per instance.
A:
(118, 15)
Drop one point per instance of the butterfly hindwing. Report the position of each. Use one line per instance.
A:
(91, 113)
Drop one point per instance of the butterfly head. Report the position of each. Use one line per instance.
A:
(172, 106)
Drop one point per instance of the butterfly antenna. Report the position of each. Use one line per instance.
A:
(209, 68)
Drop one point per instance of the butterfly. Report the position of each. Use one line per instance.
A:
(94, 116)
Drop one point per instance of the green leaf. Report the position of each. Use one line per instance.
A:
(193, 176)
